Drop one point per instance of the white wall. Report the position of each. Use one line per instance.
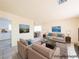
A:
(15, 21)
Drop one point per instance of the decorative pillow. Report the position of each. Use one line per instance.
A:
(49, 34)
(29, 41)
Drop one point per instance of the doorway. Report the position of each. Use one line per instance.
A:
(5, 36)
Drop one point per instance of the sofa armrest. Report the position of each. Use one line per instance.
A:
(32, 54)
(22, 50)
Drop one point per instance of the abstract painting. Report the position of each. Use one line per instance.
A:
(56, 29)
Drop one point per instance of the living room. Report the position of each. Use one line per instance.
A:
(47, 14)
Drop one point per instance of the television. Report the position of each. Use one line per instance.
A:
(23, 28)
(56, 29)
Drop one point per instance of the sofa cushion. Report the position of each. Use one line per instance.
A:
(54, 34)
(32, 54)
(49, 34)
(60, 35)
(43, 50)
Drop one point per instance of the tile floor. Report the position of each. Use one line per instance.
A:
(6, 51)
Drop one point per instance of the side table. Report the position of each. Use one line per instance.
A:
(68, 39)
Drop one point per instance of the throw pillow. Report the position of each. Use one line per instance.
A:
(49, 34)
(29, 41)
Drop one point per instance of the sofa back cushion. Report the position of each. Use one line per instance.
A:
(24, 42)
(43, 50)
(60, 35)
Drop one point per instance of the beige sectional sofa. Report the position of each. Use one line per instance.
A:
(37, 51)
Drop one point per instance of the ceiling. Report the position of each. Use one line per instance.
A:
(41, 9)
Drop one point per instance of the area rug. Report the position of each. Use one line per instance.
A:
(63, 50)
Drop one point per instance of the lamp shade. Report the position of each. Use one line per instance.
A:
(68, 33)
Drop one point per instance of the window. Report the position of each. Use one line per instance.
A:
(37, 28)
(37, 31)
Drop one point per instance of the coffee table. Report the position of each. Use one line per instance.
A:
(50, 44)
